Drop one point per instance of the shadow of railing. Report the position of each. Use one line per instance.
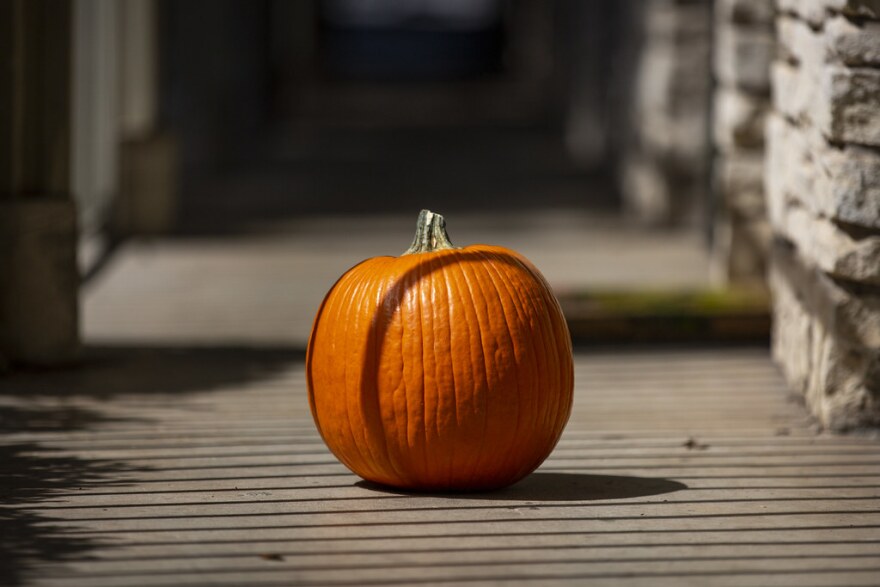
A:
(34, 473)
(111, 369)
(38, 408)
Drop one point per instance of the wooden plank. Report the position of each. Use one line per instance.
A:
(189, 465)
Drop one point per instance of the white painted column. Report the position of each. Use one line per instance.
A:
(38, 229)
(148, 172)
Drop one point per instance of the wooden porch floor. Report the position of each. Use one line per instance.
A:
(192, 460)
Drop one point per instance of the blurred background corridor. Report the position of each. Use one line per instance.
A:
(311, 133)
(303, 137)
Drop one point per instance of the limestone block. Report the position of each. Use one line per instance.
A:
(672, 88)
(817, 11)
(672, 92)
(851, 106)
(680, 139)
(792, 332)
(832, 249)
(657, 193)
(750, 246)
(672, 103)
(848, 312)
(841, 41)
(751, 12)
(858, 8)
(742, 233)
(668, 80)
(801, 45)
(38, 297)
(739, 180)
(856, 44)
(739, 252)
(844, 386)
(849, 381)
(739, 119)
(816, 86)
(839, 183)
(849, 186)
(742, 57)
(840, 382)
(647, 195)
(844, 103)
(793, 92)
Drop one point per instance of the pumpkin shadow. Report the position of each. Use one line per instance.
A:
(555, 486)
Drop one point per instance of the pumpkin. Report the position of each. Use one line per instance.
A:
(443, 369)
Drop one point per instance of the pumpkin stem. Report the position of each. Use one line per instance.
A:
(430, 234)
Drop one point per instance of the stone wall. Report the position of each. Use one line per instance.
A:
(823, 199)
(743, 51)
(664, 165)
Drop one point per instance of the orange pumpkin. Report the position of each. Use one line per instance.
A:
(444, 368)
